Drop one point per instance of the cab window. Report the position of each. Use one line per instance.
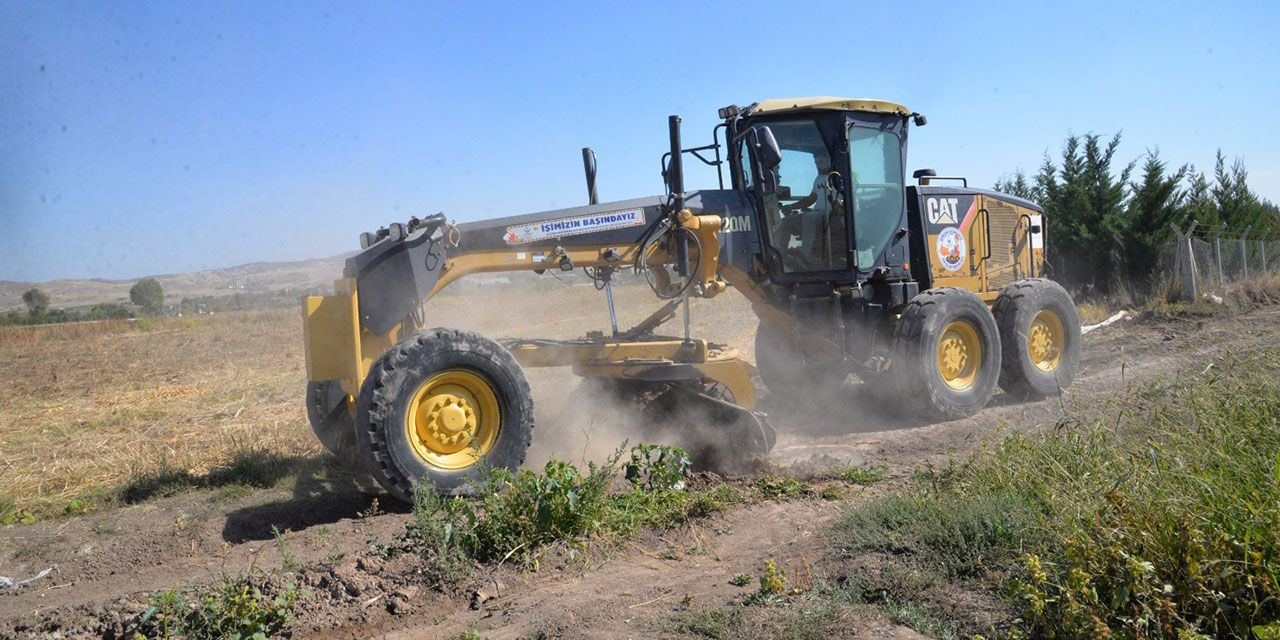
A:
(805, 217)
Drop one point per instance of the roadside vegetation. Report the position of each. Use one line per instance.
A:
(516, 516)
(1161, 520)
(514, 519)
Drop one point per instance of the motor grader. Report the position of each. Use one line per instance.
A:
(931, 294)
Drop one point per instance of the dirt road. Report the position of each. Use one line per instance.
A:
(105, 563)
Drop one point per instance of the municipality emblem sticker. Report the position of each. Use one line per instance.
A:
(951, 248)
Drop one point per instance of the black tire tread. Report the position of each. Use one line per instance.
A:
(376, 402)
(915, 390)
(1013, 377)
(331, 422)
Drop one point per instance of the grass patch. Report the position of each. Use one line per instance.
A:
(1092, 312)
(248, 468)
(921, 617)
(862, 475)
(772, 487)
(518, 515)
(92, 411)
(821, 614)
(1162, 521)
(960, 533)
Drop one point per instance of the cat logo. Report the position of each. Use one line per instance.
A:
(734, 224)
(942, 210)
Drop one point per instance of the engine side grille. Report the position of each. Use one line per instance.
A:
(1002, 268)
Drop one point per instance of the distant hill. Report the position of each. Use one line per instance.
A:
(256, 276)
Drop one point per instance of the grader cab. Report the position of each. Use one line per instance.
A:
(931, 294)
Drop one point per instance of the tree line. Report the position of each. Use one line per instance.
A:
(147, 298)
(1107, 226)
(146, 295)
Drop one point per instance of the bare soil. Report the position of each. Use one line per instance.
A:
(105, 563)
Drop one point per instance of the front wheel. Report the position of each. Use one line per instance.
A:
(1040, 336)
(946, 353)
(784, 372)
(445, 405)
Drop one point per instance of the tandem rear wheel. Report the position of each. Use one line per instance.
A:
(446, 406)
(1039, 338)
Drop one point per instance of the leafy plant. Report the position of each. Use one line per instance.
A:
(658, 467)
(235, 609)
(772, 487)
(287, 561)
(519, 513)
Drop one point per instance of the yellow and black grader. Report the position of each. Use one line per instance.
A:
(931, 294)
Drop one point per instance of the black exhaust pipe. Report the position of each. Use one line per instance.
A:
(589, 165)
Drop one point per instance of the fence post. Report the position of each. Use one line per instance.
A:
(1262, 250)
(1186, 260)
(1244, 250)
(1217, 255)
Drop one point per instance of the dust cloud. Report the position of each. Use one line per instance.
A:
(582, 420)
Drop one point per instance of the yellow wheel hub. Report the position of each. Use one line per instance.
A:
(959, 355)
(453, 419)
(1045, 340)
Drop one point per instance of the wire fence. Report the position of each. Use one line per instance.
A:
(1207, 260)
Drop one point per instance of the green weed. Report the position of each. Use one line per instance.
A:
(234, 609)
(920, 617)
(820, 620)
(862, 475)
(517, 515)
(774, 488)
(657, 467)
(287, 561)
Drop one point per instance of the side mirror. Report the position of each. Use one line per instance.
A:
(766, 147)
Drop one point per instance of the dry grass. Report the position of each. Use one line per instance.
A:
(93, 407)
(110, 410)
(1258, 291)
(1092, 312)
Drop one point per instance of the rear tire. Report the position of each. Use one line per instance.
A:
(946, 353)
(445, 405)
(1039, 336)
(329, 413)
(783, 374)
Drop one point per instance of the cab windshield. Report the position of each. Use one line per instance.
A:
(805, 217)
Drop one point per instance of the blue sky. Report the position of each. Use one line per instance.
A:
(163, 137)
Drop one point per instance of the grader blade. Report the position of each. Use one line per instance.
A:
(720, 436)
